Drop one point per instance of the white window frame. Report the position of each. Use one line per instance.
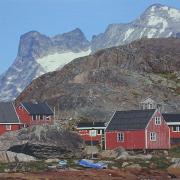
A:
(153, 136)
(33, 118)
(8, 127)
(120, 137)
(177, 128)
(48, 117)
(20, 108)
(157, 120)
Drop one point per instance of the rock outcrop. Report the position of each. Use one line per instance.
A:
(8, 157)
(43, 142)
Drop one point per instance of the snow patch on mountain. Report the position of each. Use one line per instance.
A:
(54, 61)
(128, 33)
(174, 13)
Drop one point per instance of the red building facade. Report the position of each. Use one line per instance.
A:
(173, 121)
(9, 120)
(92, 133)
(137, 129)
(34, 114)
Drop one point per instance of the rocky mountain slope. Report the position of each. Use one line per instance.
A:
(93, 87)
(39, 54)
(157, 21)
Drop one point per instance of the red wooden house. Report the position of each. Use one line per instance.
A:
(92, 132)
(9, 120)
(137, 129)
(34, 113)
(173, 121)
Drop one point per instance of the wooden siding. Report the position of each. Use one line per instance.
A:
(174, 134)
(25, 118)
(132, 140)
(14, 127)
(86, 137)
(162, 133)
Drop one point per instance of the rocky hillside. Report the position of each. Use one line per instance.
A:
(93, 87)
(39, 54)
(157, 21)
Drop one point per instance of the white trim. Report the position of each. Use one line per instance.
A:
(90, 128)
(156, 110)
(121, 133)
(151, 135)
(169, 138)
(110, 120)
(158, 120)
(49, 108)
(8, 127)
(16, 112)
(25, 108)
(11, 123)
(173, 123)
(146, 145)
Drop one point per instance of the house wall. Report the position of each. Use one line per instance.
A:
(132, 139)
(26, 118)
(174, 134)
(14, 127)
(86, 137)
(162, 131)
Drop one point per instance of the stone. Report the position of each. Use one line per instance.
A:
(134, 166)
(52, 160)
(125, 164)
(7, 156)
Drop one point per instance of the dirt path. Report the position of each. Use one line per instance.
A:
(88, 175)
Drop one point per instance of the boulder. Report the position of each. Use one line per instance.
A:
(44, 141)
(7, 156)
(116, 153)
(133, 166)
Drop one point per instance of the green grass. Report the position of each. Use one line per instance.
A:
(175, 152)
(160, 162)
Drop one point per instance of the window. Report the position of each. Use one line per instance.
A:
(34, 117)
(150, 106)
(8, 127)
(153, 136)
(176, 128)
(120, 136)
(41, 117)
(47, 117)
(157, 120)
(20, 107)
(99, 132)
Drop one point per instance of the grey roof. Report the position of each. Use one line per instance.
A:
(130, 120)
(38, 108)
(171, 117)
(91, 124)
(8, 113)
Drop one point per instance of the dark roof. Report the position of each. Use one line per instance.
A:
(8, 113)
(171, 117)
(90, 124)
(38, 108)
(130, 120)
